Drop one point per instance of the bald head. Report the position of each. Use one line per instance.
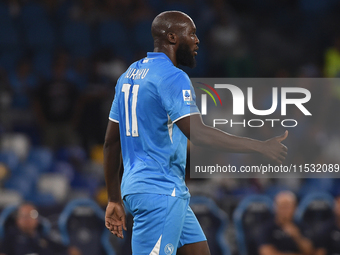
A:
(285, 204)
(169, 22)
(285, 197)
(174, 33)
(27, 218)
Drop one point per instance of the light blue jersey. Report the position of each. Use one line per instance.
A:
(150, 97)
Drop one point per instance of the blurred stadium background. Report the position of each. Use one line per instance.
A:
(59, 61)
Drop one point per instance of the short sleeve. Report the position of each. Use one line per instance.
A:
(178, 96)
(114, 112)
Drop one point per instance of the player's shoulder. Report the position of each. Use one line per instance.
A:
(175, 75)
(157, 69)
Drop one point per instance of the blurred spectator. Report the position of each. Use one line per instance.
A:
(141, 12)
(86, 11)
(22, 82)
(283, 236)
(332, 59)
(79, 73)
(14, 7)
(57, 107)
(231, 49)
(25, 237)
(4, 173)
(328, 241)
(108, 67)
(97, 97)
(5, 100)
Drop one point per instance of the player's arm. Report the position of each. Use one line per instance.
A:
(115, 214)
(201, 135)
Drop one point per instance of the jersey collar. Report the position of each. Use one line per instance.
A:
(158, 55)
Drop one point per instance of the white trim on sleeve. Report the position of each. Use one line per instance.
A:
(113, 120)
(186, 115)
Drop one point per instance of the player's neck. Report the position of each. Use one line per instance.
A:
(169, 51)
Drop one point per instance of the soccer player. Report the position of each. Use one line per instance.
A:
(149, 124)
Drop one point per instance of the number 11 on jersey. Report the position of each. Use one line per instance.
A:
(126, 90)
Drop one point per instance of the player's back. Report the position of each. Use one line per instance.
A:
(150, 96)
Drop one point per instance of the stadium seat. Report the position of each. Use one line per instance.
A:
(9, 39)
(22, 183)
(63, 12)
(40, 36)
(321, 184)
(41, 157)
(30, 171)
(64, 168)
(10, 159)
(214, 223)
(9, 58)
(76, 37)
(142, 31)
(314, 210)
(42, 62)
(4, 10)
(248, 216)
(76, 155)
(32, 13)
(39, 33)
(9, 197)
(42, 199)
(7, 220)
(6, 216)
(17, 142)
(56, 184)
(81, 224)
(112, 34)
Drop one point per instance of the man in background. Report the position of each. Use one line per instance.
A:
(282, 236)
(57, 107)
(328, 241)
(26, 238)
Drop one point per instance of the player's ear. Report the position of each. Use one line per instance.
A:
(172, 37)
